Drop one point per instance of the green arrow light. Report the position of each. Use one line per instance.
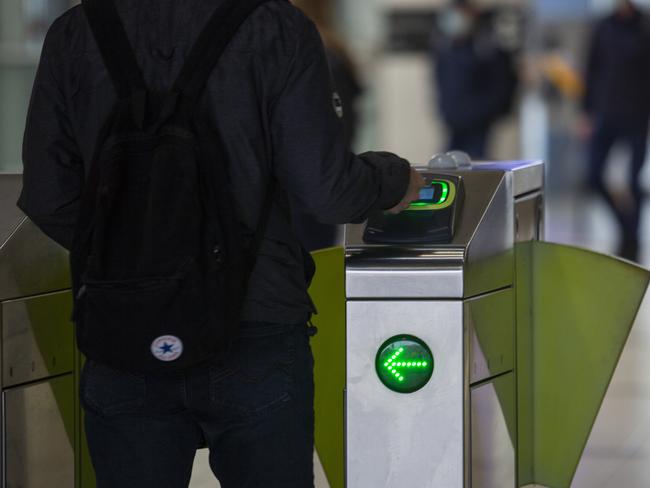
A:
(404, 364)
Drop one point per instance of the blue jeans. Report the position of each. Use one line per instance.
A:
(254, 410)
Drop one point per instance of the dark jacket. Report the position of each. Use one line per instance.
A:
(618, 71)
(476, 82)
(269, 96)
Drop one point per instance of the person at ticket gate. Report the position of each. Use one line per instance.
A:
(617, 110)
(265, 112)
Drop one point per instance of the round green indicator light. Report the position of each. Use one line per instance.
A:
(404, 364)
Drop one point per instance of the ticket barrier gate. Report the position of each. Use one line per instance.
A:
(463, 352)
(414, 283)
(39, 414)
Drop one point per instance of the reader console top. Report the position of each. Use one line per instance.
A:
(429, 220)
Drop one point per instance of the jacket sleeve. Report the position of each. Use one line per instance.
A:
(53, 173)
(311, 159)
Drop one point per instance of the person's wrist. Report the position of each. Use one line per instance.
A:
(396, 183)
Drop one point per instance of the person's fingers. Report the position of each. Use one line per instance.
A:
(416, 183)
(398, 210)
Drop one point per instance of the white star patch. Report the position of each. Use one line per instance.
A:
(167, 348)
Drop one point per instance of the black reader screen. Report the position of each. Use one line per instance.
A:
(430, 219)
(433, 196)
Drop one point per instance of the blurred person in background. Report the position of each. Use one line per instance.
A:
(347, 90)
(617, 109)
(476, 78)
(562, 87)
(343, 70)
(560, 80)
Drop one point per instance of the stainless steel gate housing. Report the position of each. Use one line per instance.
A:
(460, 429)
(36, 377)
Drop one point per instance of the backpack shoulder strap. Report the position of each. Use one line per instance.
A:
(204, 56)
(210, 45)
(114, 46)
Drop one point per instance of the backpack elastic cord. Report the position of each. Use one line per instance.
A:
(114, 45)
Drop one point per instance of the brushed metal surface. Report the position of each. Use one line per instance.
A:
(413, 282)
(490, 262)
(481, 246)
(396, 440)
(32, 264)
(448, 434)
(10, 215)
(480, 259)
(483, 242)
(528, 176)
(38, 425)
(493, 431)
(480, 184)
(404, 273)
(529, 212)
(480, 187)
(490, 323)
(37, 338)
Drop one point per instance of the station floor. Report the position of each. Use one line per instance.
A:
(618, 451)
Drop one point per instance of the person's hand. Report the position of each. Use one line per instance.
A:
(416, 183)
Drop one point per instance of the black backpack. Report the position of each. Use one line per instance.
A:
(160, 262)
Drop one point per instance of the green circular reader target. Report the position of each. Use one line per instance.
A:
(404, 364)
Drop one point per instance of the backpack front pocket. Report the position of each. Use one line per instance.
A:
(143, 325)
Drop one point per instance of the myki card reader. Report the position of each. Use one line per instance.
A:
(429, 220)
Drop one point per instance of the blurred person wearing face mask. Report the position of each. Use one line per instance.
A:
(345, 78)
(617, 109)
(476, 79)
(346, 91)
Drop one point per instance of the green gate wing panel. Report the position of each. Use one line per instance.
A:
(571, 334)
(524, 364)
(328, 293)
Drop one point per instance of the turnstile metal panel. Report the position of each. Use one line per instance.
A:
(459, 430)
(10, 215)
(528, 218)
(417, 439)
(37, 338)
(527, 176)
(490, 254)
(493, 427)
(32, 264)
(479, 259)
(491, 326)
(416, 274)
(37, 428)
(38, 423)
